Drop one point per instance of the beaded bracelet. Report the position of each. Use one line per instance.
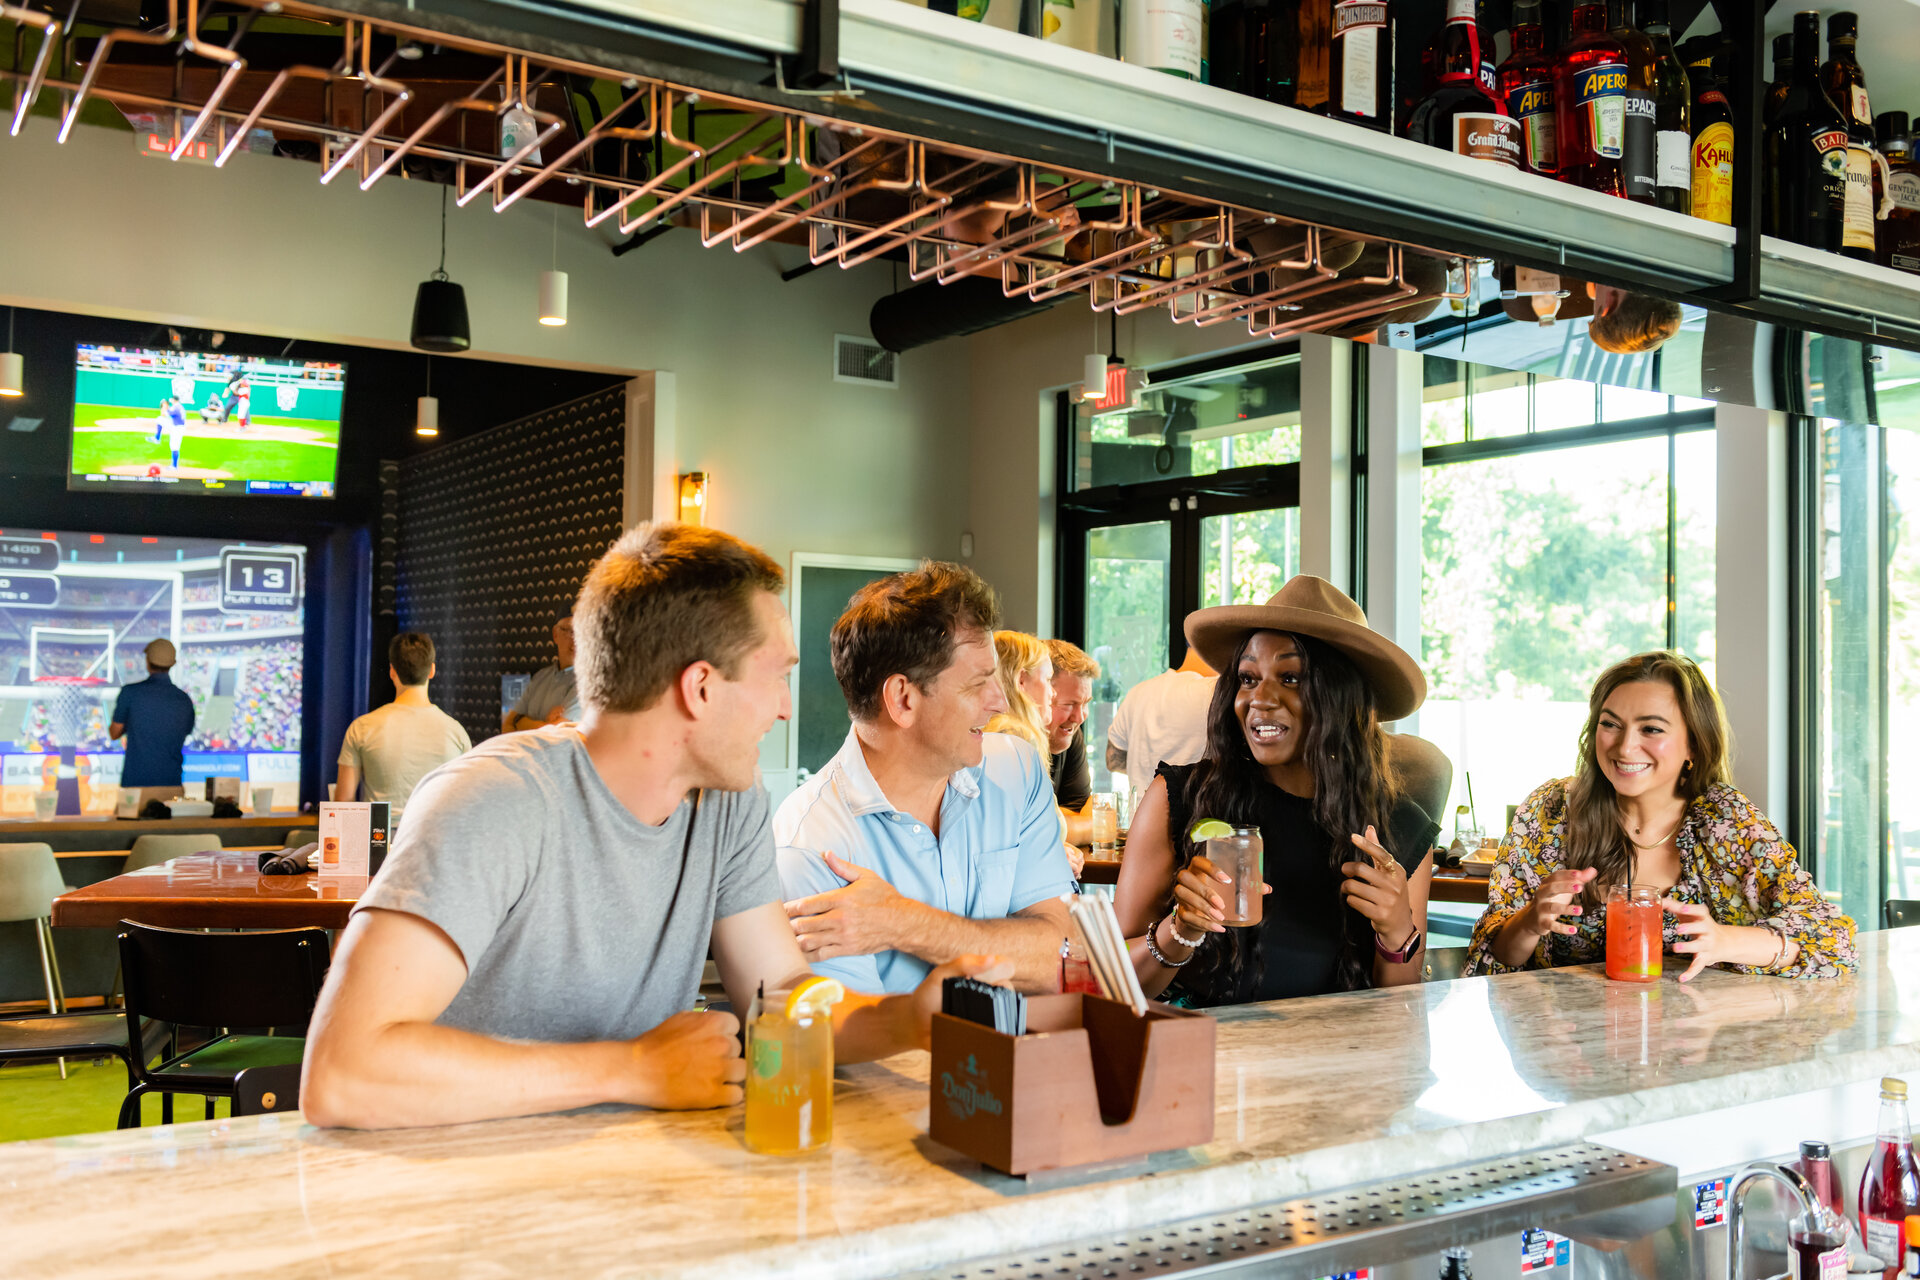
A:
(1159, 957)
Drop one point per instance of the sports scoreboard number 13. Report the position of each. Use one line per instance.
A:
(259, 581)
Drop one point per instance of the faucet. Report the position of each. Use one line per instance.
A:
(1786, 1175)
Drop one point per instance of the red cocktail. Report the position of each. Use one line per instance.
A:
(1634, 923)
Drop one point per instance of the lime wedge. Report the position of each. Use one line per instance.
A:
(1210, 829)
(813, 997)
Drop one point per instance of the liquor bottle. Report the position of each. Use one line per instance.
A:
(1457, 116)
(1589, 92)
(1713, 157)
(1890, 1184)
(1489, 78)
(1897, 239)
(1804, 154)
(1636, 138)
(1817, 1239)
(1672, 113)
(1526, 88)
(1360, 70)
(1782, 76)
(1253, 48)
(1079, 26)
(1846, 85)
(1165, 35)
(1314, 48)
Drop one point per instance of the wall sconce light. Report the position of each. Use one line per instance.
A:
(693, 498)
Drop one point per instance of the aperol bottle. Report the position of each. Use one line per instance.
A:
(1890, 1186)
(1590, 103)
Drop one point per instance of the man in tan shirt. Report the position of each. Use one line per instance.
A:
(392, 747)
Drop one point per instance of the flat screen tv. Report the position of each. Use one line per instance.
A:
(204, 422)
(77, 611)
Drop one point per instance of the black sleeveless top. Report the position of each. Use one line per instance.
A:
(1303, 916)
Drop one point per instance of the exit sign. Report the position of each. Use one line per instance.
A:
(160, 146)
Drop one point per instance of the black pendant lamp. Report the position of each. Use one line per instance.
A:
(440, 306)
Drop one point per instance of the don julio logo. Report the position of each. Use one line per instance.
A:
(969, 1093)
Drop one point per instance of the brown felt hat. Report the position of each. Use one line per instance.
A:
(1310, 606)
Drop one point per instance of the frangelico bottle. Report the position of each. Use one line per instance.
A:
(1846, 86)
(1458, 115)
(1360, 70)
(1672, 114)
(1526, 88)
(1804, 153)
(1782, 76)
(1636, 138)
(1898, 242)
(1713, 157)
(1589, 92)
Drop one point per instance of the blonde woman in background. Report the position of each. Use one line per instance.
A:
(1026, 677)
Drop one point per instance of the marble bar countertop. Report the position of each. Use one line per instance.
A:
(1313, 1094)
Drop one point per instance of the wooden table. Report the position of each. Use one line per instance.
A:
(211, 891)
(1447, 886)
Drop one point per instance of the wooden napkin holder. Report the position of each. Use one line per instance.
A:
(1090, 1083)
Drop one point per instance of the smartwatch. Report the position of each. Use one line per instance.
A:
(1401, 956)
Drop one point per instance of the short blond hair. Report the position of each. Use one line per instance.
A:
(1070, 659)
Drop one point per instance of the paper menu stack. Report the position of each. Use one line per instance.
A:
(353, 838)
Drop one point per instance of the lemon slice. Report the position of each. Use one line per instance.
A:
(813, 997)
(1211, 829)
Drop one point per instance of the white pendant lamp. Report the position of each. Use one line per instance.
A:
(13, 370)
(426, 410)
(553, 285)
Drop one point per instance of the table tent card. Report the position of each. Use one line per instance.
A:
(353, 837)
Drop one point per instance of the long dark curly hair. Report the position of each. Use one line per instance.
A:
(1346, 750)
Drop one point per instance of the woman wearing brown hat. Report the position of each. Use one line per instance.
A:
(1294, 747)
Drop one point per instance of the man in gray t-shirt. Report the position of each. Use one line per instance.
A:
(535, 938)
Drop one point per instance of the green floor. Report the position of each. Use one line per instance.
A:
(36, 1103)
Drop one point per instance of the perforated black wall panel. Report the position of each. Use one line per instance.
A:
(495, 534)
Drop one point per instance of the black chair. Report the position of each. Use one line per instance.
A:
(219, 980)
(258, 1091)
(1902, 912)
(79, 1035)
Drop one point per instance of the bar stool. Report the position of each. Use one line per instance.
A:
(29, 882)
(151, 851)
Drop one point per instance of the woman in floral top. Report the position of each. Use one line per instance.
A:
(1652, 805)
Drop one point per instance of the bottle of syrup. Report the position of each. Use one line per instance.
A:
(1890, 1186)
(1817, 1241)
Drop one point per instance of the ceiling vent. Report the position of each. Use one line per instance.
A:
(864, 361)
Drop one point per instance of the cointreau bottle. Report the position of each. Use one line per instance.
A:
(1526, 88)
(1804, 153)
(1590, 102)
(1458, 115)
(1360, 64)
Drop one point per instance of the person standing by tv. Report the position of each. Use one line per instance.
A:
(550, 697)
(154, 716)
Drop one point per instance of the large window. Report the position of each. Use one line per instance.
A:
(1566, 525)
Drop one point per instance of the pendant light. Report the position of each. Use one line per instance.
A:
(553, 284)
(13, 378)
(426, 410)
(440, 306)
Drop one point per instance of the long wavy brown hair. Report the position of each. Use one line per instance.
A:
(1595, 837)
(1353, 789)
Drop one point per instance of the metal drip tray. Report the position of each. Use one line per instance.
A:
(1353, 1227)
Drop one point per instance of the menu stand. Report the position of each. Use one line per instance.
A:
(1090, 1083)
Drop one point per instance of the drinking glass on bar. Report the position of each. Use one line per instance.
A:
(1238, 856)
(789, 1093)
(1634, 923)
(1106, 828)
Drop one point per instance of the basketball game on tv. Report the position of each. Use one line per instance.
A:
(77, 611)
(204, 422)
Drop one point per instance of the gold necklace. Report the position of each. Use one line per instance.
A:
(1661, 842)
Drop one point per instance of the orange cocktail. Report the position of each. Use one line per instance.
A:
(1634, 923)
(789, 1090)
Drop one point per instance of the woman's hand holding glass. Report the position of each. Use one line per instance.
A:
(1198, 903)
(1376, 887)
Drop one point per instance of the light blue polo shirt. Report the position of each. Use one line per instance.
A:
(998, 851)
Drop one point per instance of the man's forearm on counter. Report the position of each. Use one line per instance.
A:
(1031, 942)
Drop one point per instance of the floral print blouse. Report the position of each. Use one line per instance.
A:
(1732, 860)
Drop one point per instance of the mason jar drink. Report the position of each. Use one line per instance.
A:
(789, 1089)
(1635, 921)
(1237, 855)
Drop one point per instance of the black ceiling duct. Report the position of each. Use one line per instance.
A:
(929, 312)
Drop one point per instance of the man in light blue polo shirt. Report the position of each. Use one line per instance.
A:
(925, 837)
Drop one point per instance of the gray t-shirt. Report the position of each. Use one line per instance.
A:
(577, 920)
(550, 687)
(395, 746)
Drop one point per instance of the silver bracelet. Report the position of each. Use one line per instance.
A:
(1159, 957)
(1173, 927)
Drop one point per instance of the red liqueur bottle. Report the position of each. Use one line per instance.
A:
(1526, 89)
(1890, 1185)
(1458, 115)
(1590, 103)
